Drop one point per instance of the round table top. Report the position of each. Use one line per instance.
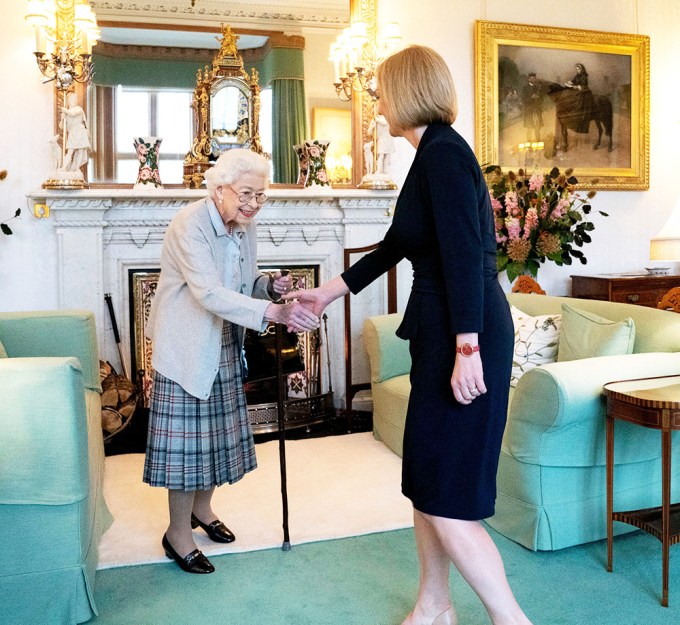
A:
(661, 392)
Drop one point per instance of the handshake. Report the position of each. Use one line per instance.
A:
(303, 309)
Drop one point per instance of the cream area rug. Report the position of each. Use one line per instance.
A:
(338, 486)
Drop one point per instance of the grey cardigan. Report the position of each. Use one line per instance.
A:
(191, 300)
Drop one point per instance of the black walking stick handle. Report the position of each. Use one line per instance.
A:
(114, 325)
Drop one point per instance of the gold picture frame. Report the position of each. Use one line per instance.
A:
(522, 125)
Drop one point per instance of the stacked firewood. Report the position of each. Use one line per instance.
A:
(118, 398)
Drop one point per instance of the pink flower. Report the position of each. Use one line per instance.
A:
(495, 204)
(530, 221)
(512, 224)
(511, 202)
(322, 176)
(535, 182)
(544, 208)
(500, 238)
(314, 151)
(561, 208)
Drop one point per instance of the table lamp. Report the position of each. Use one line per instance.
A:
(666, 244)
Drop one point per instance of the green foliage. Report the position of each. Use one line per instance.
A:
(4, 228)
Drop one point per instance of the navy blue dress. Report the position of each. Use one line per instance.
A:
(443, 223)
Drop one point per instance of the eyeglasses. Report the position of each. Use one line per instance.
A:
(245, 196)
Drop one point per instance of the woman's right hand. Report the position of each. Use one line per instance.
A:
(295, 316)
(317, 299)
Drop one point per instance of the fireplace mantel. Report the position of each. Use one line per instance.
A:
(103, 233)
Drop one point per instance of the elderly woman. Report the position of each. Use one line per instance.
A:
(209, 291)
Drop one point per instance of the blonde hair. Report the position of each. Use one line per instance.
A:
(233, 164)
(418, 88)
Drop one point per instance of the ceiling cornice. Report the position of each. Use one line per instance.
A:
(286, 15)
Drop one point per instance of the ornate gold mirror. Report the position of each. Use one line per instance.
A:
(226, 109)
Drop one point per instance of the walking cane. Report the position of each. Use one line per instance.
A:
(116, 335)
(282, 434)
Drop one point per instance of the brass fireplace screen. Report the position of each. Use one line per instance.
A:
(305, 402)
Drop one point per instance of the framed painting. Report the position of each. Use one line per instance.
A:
(559, 97)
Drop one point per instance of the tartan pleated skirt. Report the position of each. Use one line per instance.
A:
(195, 444)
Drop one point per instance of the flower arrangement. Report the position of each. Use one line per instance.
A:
(4, 228)
(538, 217)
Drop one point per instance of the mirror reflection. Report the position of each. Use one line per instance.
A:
(228, 118)
(144, 83)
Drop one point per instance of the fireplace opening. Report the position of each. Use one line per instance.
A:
(308, 395)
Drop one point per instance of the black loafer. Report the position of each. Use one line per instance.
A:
(195, 562)
(216, 531)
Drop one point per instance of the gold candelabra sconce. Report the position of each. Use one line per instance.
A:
(65, 31)
(357, 52)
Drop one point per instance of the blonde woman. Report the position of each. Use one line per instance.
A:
(461, 339)
(209, 291)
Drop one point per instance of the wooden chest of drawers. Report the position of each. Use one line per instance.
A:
(641, 289)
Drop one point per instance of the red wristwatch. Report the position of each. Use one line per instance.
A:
(467, 350)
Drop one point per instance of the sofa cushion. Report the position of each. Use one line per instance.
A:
(536, 340)
(655, 330)
(388, 354)
(587, 335)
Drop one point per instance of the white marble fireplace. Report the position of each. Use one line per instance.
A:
(101, 234)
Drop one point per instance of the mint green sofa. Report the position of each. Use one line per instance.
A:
(52, 510)
(551, 474)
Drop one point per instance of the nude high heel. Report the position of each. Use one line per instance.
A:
(447, 617)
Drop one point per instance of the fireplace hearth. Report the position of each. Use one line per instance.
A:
(305, 404)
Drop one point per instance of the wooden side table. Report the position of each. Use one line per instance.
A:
(652, 403)
(642, 289)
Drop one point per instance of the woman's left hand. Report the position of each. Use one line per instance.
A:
(282, 284)
(467, 380)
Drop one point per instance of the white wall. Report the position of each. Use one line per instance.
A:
(26, 263)
(620, 242)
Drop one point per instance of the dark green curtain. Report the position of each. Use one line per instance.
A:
(289, 127)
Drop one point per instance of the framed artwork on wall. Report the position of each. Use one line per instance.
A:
(560, 97)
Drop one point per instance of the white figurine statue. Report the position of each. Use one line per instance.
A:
(77, 134)
(378, 162)
(385, 146)
(70, 148)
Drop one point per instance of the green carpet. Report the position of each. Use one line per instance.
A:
(372, 580)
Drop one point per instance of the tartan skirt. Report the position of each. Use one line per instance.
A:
(195, 444)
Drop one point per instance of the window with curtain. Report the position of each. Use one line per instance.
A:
(164, 113)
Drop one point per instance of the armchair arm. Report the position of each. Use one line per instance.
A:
(54, 333)
(44, 434)
(557, 414)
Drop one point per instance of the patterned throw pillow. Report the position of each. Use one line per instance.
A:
(536, 340)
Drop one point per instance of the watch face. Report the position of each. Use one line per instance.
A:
(466, 349)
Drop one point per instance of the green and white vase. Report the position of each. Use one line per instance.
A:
(303, 163)
(317, 176)
(147, 149)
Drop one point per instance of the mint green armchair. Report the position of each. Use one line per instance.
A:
(52, 510)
